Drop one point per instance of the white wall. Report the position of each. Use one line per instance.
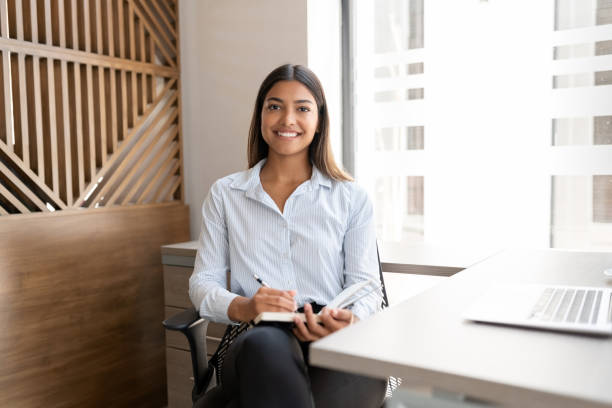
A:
(227, 48)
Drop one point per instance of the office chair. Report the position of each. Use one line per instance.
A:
(194, 328)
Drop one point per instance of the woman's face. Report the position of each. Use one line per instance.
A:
(289, 119)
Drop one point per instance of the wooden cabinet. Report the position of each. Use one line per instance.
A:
(177, 267)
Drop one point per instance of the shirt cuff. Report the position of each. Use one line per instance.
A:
(214, 307)
(361, 312)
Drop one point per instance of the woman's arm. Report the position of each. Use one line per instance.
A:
(245, 309)
(360, 263)
(207, 285)
(360, 258)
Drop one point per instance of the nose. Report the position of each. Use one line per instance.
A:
(288, 118)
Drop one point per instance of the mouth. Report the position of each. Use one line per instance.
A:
(287, 134)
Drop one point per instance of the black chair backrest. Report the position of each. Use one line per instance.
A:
(385, 299)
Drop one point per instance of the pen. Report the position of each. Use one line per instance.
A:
(262, 283)
(265, 285)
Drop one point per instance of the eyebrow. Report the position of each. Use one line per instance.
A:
(273, 98)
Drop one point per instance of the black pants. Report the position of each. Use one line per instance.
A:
(268, 367)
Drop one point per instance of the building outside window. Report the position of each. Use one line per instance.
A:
(484, 123)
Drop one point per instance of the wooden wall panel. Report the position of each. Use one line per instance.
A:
(81, 306)
(83, 83)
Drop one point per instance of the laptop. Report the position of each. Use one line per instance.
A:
(579, 309)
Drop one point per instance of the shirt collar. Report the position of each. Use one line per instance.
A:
(319, 178)
(249, 180)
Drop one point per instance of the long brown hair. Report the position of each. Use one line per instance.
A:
(319, 151)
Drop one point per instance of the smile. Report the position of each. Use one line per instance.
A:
(287, 134)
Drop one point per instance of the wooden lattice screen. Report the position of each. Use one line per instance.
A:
(89, 104)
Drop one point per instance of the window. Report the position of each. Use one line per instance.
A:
(390, 135)
(582, 125)
(484, 123)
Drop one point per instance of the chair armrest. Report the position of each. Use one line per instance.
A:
(194, 328)
(181, 321)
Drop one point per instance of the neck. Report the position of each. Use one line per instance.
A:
(290, 170)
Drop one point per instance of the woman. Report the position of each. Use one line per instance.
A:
(299, 223)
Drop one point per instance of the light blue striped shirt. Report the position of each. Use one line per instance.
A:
(323, 242)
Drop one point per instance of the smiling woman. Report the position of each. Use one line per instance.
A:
(319, 150)
(299, 222)
(289, 120)
(289, 125)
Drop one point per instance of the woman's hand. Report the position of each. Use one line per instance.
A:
(265, 300)
(331, 320)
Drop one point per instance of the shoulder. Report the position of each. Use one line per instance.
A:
(356, 201)
(220, 191)
(228, 182)
(353, 199)
(352, 192)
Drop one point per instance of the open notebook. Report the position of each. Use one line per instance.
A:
(345, 299)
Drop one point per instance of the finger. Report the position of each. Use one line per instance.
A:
(280, 301)
(298, 335)
(287, 294)
(275, 292)
(302, 334)
(314, 327)
(274, 303)
(343, 315)
(290, 296)
(330, 322)
(302, 330)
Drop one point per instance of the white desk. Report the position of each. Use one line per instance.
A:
(425, 341)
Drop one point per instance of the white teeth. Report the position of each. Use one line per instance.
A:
(287, 134)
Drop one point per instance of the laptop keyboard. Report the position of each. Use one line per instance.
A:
(568, 305)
